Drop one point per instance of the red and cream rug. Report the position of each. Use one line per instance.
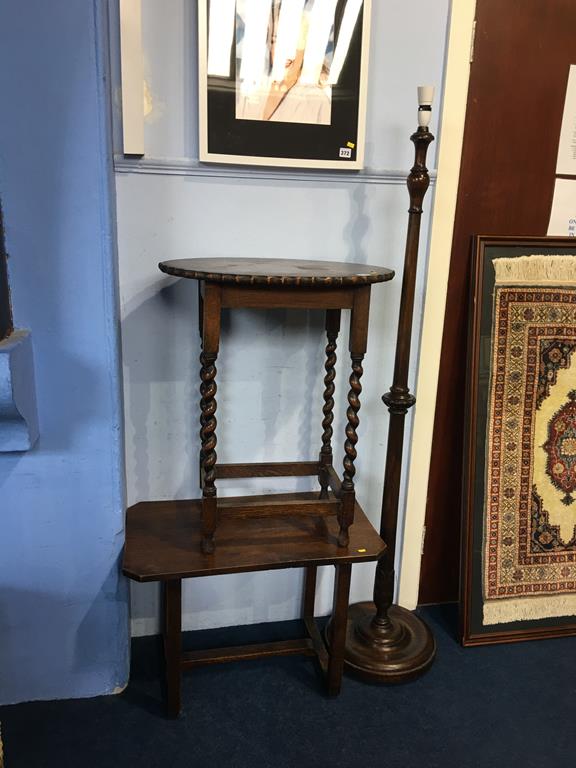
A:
(530, 509)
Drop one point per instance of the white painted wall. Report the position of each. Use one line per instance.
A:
(269, 360)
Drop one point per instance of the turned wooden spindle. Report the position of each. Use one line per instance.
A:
(201, 332)
(357, 347)
(332, 330)
(399, 399)
(208, 450)
(386, 643)
(348, 494)
(208, 421)
(353, 422)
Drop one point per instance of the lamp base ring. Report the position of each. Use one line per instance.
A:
(402, 652)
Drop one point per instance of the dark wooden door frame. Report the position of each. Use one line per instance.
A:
(515, 103)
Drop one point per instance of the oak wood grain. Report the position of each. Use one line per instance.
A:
(295, 272)
(163, 541)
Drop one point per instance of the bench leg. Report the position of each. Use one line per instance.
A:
(309, 592)
(173, 645)
(339, 622)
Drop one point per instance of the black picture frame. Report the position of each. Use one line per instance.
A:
(337, 145)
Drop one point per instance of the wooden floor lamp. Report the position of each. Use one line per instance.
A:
(386, 643)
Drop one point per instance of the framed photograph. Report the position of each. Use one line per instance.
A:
(519, 502)
(283, 82)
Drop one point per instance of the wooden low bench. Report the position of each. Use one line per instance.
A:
(163, 544)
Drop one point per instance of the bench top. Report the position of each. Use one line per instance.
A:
(163, 541)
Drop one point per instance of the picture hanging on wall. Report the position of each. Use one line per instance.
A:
(519, 534)
(283, 82)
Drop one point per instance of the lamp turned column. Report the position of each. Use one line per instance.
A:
(386, 643)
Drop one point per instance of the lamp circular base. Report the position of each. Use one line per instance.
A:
(400, 653)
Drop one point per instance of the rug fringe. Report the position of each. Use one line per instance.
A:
(536, 270)
(529, 608)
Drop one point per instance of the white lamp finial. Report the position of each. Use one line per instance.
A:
(425, 99)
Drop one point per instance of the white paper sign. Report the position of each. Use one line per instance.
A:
(563, 215)
(566, 163)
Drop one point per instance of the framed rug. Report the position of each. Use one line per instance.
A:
(519, 503)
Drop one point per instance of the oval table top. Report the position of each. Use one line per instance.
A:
(289, 272)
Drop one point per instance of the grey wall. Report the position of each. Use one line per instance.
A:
(270, 361)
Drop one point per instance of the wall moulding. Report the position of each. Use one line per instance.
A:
(183, 167)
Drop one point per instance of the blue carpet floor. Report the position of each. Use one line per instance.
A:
(510, 706)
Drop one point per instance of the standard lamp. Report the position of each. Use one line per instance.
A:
(386, 643)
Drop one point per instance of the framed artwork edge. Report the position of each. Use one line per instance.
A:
(131, 77)
(469, 638)
(207, 157)
(202, 97)
(278, 162)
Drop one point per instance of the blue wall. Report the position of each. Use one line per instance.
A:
(63, 603)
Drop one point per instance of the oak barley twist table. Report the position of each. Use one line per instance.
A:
(279, 283)
(171, 540)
